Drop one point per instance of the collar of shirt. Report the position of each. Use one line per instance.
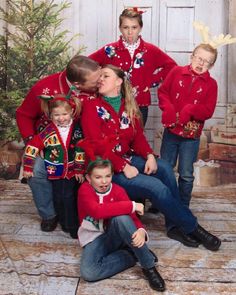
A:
(131, 47)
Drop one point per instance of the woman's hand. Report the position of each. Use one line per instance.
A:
(151, 165)
(138, 238)
(130, 171)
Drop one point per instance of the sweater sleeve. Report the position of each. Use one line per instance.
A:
(27, 114)
(164, 100)
(163, 63)
(32, 149)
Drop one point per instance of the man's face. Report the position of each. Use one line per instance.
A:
(91, 82)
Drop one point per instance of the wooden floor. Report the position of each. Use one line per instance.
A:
(34, 262)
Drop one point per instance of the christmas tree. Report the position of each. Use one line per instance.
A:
(32, 46)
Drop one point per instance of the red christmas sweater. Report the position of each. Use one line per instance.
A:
(29, 116)
(147, 59)
(61, 160)
(99, 120)
(95, 210)
(187, 100)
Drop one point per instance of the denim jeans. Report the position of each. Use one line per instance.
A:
(41, 189)
(174, 146)
(113, 252)
(65, 202)
(161, 189)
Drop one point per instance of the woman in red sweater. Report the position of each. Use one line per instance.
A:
(116, 114)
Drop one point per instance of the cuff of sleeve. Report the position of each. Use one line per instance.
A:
(134, 207)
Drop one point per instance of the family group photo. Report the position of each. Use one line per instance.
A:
(117, 147)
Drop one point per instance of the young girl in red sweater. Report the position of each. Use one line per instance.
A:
(64, 160)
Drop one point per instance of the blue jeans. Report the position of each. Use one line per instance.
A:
(161, 189)
(113, 252)
(174, 146)
(41, 189)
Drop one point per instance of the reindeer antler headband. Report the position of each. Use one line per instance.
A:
(215, 41)
(51, 98)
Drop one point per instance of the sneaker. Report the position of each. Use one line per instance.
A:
(49, 224)
(155, 280)
(178, 235)
(208, 240)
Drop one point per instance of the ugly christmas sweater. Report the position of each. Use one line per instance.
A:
(187, 99)
(96, 209)
(29, 116)
(61, 160)
(147, 59)
(99, 120)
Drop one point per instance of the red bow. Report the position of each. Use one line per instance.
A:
(135, 9)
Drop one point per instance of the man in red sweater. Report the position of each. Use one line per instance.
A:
(81, 72)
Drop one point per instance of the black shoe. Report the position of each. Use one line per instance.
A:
(208, 240)
(155, 280)
(49, 224)
(176, 234)
(74, 234)
(155, 257)
(153, 210)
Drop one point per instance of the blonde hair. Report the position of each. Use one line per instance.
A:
(59, 100)
(131, 106)
(131, 13)
(208, 48)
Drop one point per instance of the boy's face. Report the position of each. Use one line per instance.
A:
(130, 29)
(201, 61)
(100, 179)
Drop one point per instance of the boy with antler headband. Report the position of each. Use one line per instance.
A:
(187, 98)
(64, 160)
